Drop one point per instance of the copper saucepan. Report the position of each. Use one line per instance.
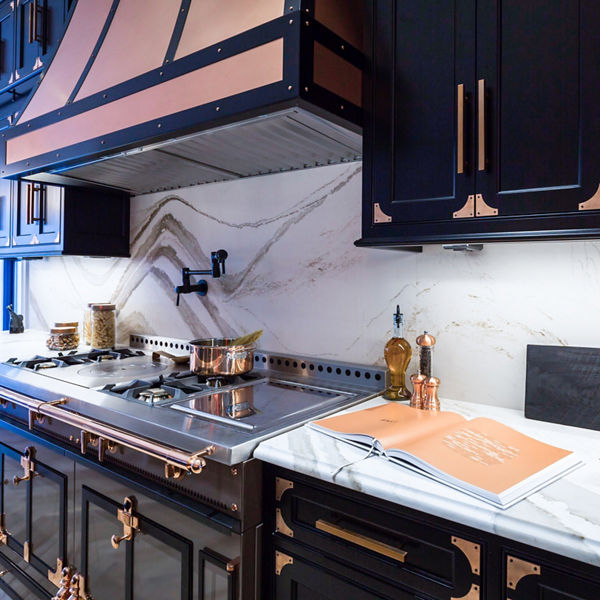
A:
(217, 357)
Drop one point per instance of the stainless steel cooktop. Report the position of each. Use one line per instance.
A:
(154, 397)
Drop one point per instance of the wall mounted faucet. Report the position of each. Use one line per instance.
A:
(201, 287)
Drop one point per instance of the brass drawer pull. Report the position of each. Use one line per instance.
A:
(460, 129)
(361, 540)
(481, 125)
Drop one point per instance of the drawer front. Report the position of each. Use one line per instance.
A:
(393, 547)
(306, 575)
(531, 579)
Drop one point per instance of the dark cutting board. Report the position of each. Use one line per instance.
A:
(563, 385)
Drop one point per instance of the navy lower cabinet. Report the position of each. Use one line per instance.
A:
(49, 220)
(325, 542)
(481, 122)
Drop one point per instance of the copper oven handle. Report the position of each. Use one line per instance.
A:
(174, 458)
(362, 540)
(481, 125)
(460, 129)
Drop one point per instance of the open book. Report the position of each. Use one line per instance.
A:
(480, 456)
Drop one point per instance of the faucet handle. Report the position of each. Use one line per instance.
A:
(218, 262)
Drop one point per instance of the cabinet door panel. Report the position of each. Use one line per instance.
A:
(49, 205)
(24, 228)
(7, 43)
(415, 160)
(155, 564)
(14, 499)
(541, 124)
(38, 214)
(5, 213)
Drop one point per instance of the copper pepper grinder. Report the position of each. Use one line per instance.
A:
(428, 385)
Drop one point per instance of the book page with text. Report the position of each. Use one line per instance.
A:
(485, 454)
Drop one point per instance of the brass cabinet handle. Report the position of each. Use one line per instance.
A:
(130, 522)
(41, 191)
(33, 22)
(460, 129)
(481, 124)
(28, 206)
(28, 466)
(362, 540)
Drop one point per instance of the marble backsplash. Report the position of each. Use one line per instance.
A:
(294, 272)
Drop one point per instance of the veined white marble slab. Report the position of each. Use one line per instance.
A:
(563, 517)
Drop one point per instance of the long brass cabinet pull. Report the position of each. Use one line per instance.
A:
(362, 540)
(481, 125)
(460, 129)
(28, 206)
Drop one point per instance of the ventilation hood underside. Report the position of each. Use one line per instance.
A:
(281, 93)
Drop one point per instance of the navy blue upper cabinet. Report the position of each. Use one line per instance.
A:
(481, 121)
(47, 220)
(30, 31)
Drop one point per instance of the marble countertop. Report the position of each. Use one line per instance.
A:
(563, 517)
(26, 345)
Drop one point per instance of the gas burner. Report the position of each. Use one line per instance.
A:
(152, 395)
(216, 382)
(104, 357)
(45, 365)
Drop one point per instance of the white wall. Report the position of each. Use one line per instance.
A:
(293, 270)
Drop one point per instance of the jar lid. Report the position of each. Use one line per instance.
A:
(69, 324)
(64, 330)
(103, 306)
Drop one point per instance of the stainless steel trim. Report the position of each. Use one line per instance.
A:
(174, 457)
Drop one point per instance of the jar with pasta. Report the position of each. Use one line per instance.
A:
(104, 326)
(87, 324)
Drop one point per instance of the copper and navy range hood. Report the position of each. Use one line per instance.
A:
(149, 95)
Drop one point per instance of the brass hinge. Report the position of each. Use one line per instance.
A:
(27, 551)
(281, 560)
(593, 203)
(55, 577)
(468, 210)
(280, 525)
(131, 523)
(281, 486)
(471, 551)
(3, 533)
(516, 569)
(379, 216)
(482, 209)
(473, 594)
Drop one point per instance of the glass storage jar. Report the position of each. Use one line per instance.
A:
(63, 338)
(87, 325)
(104, 326)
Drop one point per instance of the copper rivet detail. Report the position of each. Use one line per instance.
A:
(234, 507)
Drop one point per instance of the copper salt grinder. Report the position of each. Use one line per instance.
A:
(430, 397)
(416, 400)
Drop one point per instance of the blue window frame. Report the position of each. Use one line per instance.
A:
(8, 289)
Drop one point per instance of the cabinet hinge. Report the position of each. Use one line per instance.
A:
(379, 216)
(280, 525)
(55, 577)
(27, 551)
(468, 210)
(471, 551)
(281, 560)
(3, 533)
(593, 203)
(516, 569)
(71, 586)
(131, 524)
(473, 594)
(281, 486)
(483, 209)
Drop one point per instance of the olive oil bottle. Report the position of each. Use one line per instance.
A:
(397, 356)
